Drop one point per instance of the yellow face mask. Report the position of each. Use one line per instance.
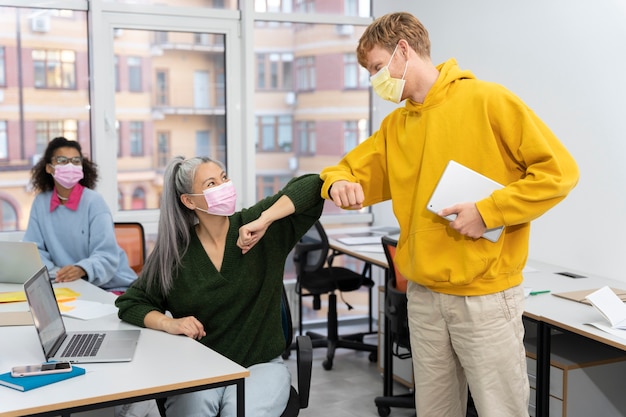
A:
(387, 87)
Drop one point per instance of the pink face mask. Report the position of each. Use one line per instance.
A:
(220, 200)
(68, 175)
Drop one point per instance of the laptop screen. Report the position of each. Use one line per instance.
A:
(45, 310)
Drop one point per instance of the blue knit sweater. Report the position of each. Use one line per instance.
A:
(84, 237)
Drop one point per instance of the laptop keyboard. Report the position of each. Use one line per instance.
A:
(84, 345)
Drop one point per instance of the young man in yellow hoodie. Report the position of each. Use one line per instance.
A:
(465, 293)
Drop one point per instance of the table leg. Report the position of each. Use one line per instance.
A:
(241, 409)
(543, 370)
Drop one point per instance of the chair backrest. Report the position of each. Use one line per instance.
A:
(395, 277)
(396, 301)
(298, 399)
(131, 238)
(311, 252)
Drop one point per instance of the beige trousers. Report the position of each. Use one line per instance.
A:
(456, 341)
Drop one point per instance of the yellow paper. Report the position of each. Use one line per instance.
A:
(61, 294)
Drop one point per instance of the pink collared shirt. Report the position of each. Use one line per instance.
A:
(72, 201)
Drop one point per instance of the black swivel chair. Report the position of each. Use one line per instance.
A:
(316, 276)
(397, 342)
(397, 339)
(298, 397)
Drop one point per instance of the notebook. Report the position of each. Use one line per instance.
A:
(76, 347)
(19, 260)
(459, 184)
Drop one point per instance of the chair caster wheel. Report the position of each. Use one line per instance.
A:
(373, 357)
(286, 355)
(328, 364)
(384, 411)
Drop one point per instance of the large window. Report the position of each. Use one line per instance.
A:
(179, 111)
(165, 90)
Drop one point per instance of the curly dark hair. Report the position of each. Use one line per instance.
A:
(42, 181)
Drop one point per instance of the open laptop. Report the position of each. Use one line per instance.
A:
(459, 184)
(19, 261)
(77, 347)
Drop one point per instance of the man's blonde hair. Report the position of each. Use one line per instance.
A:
(387, 30)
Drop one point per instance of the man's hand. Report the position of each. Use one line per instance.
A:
(347, 195)
(468, 220)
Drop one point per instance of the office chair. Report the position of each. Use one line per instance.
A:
(397, 339)
(131, 238)
(298, 396)
(316, 276)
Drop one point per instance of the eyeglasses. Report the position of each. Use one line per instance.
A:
(64, 160)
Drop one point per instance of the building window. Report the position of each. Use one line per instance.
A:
(163, 148)
(305, 6)
(54, 68)
(4, 140)
(354, 76)
(271, 184)
(305, 73)
(3, 79)
(306, 137)
(203, 143)
(162, 88)
(275, 71)
(350, 135)
(273, 6)
(134, 74)
(8, 216)
(136, 138)
(139, 199)
(116, 72)
(357, 8)
(45, 131)
(275, 133)
(160, 37)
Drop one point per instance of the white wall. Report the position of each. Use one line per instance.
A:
(567, 60)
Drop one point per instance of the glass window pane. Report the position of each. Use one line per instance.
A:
(336, 7)
(170, 101)
(310, 114)
(213, 4)
(34, 110)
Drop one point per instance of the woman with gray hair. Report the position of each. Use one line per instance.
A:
(220, 274)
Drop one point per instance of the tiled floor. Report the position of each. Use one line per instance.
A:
(349, 388)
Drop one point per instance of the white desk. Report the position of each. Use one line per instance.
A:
(546, 310)
(163, 365)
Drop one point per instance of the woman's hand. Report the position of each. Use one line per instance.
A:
(70, 273)
(189, 326)
(250, 234)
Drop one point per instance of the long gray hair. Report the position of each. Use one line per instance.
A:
(175, 222)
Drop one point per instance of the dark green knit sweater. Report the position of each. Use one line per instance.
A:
(240, 305)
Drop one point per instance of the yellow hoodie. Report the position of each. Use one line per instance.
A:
(487, 128)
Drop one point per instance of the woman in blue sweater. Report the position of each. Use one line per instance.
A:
(71, 223)
(220, 275)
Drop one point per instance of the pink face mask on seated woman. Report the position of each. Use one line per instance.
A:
(68, 175)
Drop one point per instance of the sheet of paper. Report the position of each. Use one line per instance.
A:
(86, 310)
(368, 248)
(16, 318)
(61, 294)
(615, 332)
(361, 240)
(610, 306)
